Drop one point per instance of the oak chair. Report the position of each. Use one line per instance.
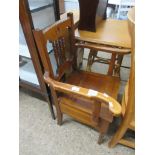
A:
(88, 97)
(95, 31)
(128, 101)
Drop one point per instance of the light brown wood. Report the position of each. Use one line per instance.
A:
(100, 47)
(127, 143)
(128, 101)
(111, 36)
(75, 17)
(90, 98)
(109, 32)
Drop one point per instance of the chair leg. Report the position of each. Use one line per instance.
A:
(59, 119)
(119, 63)
(118, 135)
(80, 52)
(112, 64)
(94, 55)
(91, 57)
(89, 61)
(48, 99)
(103, 130)
(100, 138)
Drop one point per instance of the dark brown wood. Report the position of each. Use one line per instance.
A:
(56, 9)
(30, 86)
(91, 56)
(96, 107)
(89, 12)
(118, 65)
(112, 64)
(104, 128)
(81, 104)
(27, 26)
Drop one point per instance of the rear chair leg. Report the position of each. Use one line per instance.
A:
(50, 104)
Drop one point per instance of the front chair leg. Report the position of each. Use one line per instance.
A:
(100, 138)
(59, 119)
(103, 130)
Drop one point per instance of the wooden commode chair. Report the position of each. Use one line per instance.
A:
(89, 98)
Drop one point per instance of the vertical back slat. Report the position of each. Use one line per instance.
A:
(56, 53)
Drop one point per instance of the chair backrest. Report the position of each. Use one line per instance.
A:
(61, 36)
(91, 12)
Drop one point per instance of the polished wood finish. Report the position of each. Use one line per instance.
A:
(108, 49)
(108, 32)
(90, 16)
(128, 101)
(56, 9)
(90, 98)
(27, 26)
(111, 36)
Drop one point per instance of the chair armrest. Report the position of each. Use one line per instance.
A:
(114, 106)
(99, 47)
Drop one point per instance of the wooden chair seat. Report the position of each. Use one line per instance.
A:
(102, 83)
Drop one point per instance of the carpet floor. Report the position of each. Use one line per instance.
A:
(40, 135)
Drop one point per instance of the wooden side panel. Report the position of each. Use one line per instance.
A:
(77, 114)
